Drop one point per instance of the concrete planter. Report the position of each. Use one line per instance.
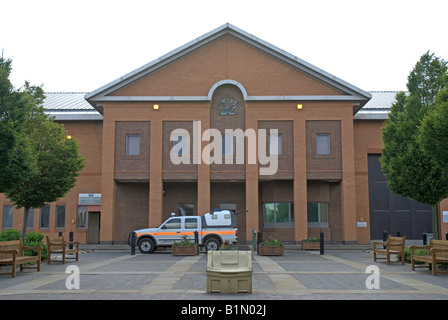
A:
(229, 272)
(185, 250)
(306, 245)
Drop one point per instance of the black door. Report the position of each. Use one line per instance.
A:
(391, 212)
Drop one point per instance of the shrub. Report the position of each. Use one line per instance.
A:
(311, 239)
(10, 235)
(271, 242)
(185, 241)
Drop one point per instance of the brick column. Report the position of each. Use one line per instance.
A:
(252, 215)
(300, 179)
(348, 190)
(155, 172)
(107, 180)
(203, 169)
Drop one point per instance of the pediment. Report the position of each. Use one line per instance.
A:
(228, 53)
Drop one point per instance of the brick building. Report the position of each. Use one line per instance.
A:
(165, 138)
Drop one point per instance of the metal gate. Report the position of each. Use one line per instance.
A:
(391, 212)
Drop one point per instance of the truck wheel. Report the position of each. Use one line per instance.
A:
(212, 244)
(146, 245)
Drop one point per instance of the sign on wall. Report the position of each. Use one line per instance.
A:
(90, 199)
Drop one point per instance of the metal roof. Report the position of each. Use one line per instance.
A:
(69, 106)
(73, 106)
(66, 101)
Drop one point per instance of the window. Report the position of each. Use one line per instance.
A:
(172, 224)
(60, 217)
(132, 144)
(30, 221)
(278, 213)
(228, 145)
(8, 212)
(81, 217)
(318, 214)
(275, 144)
(182, 143)
(323, 144)
(228, 206)
(185, 209)
(191, 223)
(44, 219)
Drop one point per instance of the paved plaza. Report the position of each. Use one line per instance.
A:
(298, 275)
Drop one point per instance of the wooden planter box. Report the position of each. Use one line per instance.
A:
(310, 245)
(185, 250)
(270, 250)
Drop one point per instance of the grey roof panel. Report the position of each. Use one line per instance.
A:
(66, 101)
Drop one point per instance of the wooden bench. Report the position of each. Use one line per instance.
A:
(437, 253)
(393, 245)
(12, 252)
(57, 245)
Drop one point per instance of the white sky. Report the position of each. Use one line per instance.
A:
(79, 46)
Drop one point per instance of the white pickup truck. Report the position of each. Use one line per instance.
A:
(213, 229)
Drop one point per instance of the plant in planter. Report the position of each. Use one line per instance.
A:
(227, 245)
(271, 247)
(311, 243)
(185, 247)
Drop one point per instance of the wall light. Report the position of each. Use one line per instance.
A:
(156, 107)
(69, 137)
(299, 107)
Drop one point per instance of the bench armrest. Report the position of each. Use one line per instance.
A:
(412, 248)
(435, 250)
(374, 243)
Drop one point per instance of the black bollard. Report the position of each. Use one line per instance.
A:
(424, 238)
(196, 239)
(322, 250)
(259, 240)
(133, 236)
(398, 233)
(70, 239)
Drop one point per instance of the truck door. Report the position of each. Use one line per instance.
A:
(191, 225)
(170, 231)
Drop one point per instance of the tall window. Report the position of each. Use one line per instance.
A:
(323, 144)
(275, 144)
(30, 221)
(44, 219)
(185, 209)
(132, 144)
(182, 143)
(60, 217)
(318, 214)
(8, 212)
(81, 217)
(278, 214)
(228, 145)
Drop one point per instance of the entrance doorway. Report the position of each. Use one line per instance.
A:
(93, 233)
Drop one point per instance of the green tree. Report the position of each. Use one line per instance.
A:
(434, 130)
(43, 163)
(16, 108)
(411, 172)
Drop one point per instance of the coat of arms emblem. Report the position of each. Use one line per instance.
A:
(227, 105)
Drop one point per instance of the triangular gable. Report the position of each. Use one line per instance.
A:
(329, 87)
